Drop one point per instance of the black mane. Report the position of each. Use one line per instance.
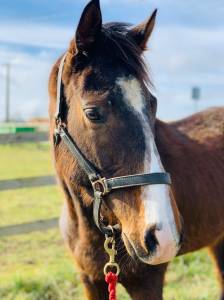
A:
(116, 47)
(120, 44)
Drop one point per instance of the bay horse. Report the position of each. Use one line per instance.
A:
(110, 113)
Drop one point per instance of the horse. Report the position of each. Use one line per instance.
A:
(108, 109)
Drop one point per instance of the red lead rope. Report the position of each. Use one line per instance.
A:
(111, 279)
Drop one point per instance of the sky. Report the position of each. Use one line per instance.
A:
(185, 50)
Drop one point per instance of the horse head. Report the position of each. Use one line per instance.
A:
(110, 113)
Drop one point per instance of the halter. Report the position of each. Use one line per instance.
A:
(101, 186)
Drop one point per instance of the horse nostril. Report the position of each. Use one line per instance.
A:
(151, 240)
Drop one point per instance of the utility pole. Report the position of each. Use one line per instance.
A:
(196, 96)
(7, 92)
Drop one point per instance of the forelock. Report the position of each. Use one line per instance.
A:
(115, 54)
(118, 44)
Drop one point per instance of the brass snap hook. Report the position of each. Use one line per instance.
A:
(109, 246)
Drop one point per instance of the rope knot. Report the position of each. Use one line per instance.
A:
(111, 279)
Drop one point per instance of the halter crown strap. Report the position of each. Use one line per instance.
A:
(59, 88)
(101, 186)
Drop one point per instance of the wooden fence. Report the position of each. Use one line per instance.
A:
(30, 182)
(38, 225)
(24, 137)
(19, 183)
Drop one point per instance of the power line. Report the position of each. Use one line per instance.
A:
(7, 92)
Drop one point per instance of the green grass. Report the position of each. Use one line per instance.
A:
(25, 160)
(37, 266)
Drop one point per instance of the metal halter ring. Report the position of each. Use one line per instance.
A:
(112, 266)
(100, 185)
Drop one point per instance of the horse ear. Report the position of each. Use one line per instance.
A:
(142, 32)
(89, 27)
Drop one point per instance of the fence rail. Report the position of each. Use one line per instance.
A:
(19, 183)
(39, 225)
(24, 137)
(29, 182)
(17, 229)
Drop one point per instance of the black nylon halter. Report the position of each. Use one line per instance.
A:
(101, 186)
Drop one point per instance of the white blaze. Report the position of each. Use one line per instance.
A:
(157, 202)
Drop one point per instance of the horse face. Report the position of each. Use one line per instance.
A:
(111, 116)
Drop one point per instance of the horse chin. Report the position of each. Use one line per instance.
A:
(130, 248)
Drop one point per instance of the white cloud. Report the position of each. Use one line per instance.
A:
(182, 57)
(37, 35)
(179, 57)
(29, 79)
(29, 72)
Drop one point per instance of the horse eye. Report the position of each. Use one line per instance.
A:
(93, 114)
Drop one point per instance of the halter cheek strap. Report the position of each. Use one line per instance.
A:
(101, 185)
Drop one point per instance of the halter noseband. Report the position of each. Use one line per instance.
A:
(101, 186)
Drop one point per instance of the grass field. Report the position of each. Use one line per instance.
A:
(37, 266)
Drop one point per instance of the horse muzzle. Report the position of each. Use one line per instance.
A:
(159, 245)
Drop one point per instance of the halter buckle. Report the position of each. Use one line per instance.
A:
(100, 186)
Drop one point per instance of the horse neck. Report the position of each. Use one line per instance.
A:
(190, 163)
(85, 230)
(180, 155)
(168, 143)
